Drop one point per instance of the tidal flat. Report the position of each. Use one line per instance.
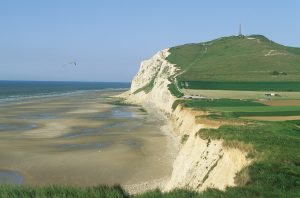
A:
(81, 139)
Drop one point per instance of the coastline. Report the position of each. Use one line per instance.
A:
(170, 154)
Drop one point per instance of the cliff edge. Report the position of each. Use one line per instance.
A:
(200, 164)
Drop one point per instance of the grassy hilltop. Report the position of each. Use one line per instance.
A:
(237, 58)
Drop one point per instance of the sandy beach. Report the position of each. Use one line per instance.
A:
(83, 139)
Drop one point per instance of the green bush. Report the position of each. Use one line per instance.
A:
(184, 138)
(174, 90)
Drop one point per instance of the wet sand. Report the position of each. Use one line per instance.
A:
(82, 139)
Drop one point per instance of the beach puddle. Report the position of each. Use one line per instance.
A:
(118, 112)
(17, 127)
(39, 116)
(87, 146)
(77, 132)
(11, 177)
(133, 144)
(122, 113)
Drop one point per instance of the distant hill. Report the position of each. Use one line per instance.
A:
(252, 58)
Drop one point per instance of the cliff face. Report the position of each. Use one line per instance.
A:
(154, 74)
(199, 163)
(202, 163)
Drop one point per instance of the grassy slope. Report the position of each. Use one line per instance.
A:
(236, 59)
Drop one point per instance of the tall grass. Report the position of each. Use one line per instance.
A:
(8, 191)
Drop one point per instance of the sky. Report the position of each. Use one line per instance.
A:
(109, 38)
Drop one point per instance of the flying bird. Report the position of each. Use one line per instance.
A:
(71, 63)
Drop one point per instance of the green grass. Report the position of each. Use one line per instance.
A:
(259, 110)
(118, 192)
(103, 192)
(232, 59)
(184, 138)
(270, 113)
(242, 86)
(293, 50)
(61, 192)
(174, 90)
(147, 88)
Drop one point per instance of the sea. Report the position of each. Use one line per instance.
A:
(16, 90)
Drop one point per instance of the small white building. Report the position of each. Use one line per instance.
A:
(272, 94)
(193, 97)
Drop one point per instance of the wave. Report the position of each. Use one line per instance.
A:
(16, 98)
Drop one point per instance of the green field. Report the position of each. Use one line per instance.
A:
(266, 113)
(237, 59)
(257, 108)
(242, 86)
(260, 110)
(238, 108)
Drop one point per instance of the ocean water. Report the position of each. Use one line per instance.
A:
(14, 90)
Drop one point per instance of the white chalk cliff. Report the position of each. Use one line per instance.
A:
(200, 163)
